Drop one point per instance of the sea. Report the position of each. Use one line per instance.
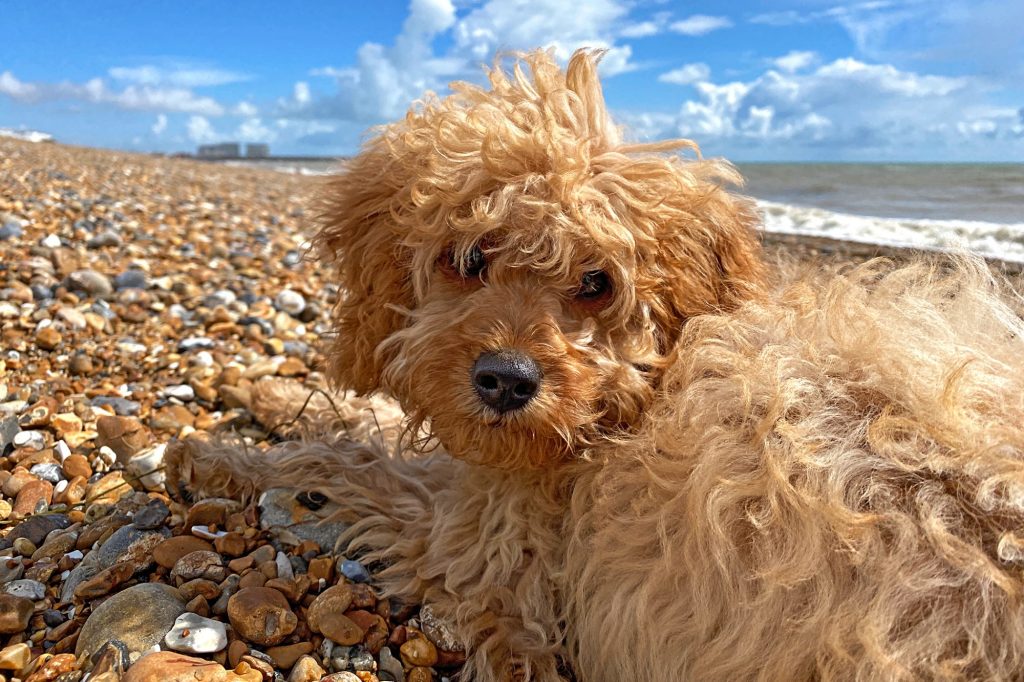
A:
(975, 207)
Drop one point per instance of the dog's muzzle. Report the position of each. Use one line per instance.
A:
(506, 380)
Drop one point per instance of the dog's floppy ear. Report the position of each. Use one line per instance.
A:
(709, 256)
(359, 237)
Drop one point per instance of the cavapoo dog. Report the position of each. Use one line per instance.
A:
(628, 449)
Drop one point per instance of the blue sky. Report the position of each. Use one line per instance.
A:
(814, 80)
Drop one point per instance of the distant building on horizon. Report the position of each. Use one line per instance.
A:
(257, 150)
(223, 150)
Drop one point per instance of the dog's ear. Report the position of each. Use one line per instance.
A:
(359, 237)
(709, 258)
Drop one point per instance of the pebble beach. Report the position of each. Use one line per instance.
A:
(141, 298)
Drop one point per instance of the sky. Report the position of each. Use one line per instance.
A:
(881, 80)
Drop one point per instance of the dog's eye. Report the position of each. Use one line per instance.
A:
(594, 285)
(473, 265)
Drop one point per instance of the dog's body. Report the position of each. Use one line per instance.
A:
(656, 463)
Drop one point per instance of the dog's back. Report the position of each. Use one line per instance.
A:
(830, 487)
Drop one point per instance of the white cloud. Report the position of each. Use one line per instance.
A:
(850, 107)
(253, 130)
(385, 79)
(795, 61)
(200, 130)
(176, 76)
(641, 30)
(19, 90)
(245, 109)
(687, 74)
(699, 24)
(161, 124)
(133, 97)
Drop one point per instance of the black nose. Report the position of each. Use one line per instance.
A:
(506, 380)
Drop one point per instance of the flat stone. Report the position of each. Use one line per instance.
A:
(37, 528)
(131, 545)
(89, 281)
(285, 656)
(194, 634)
(25, 588)
(200, 564)
(15, 612)
(168, 552)
(170, 666)
(281, 508)
(139, 616)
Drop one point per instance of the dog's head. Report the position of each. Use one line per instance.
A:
(515, 275)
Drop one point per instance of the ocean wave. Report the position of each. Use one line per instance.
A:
(996, 240)
(26, 135)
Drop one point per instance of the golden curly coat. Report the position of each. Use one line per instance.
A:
(724, 474)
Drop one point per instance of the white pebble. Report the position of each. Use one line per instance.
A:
(291, 302)
(33, 440)
(284, 567)
(196, 635)
(203, 359)
(182, 392)
(206, 533)
(51, 241)
(63, 451)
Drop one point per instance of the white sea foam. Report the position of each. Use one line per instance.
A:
(997, 240)
(27, 135)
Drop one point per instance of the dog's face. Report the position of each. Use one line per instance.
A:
(515, 276)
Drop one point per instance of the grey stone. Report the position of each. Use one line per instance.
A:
(11, 230)
(131, 279)
(280, 508)
(122, 406)
(105, 238)
(90, 282)
(48, 471)
(151, 516)
(139, 616)
(25, 588)
(8, 430)
(132, 544)
(354, 571)
(36, 528)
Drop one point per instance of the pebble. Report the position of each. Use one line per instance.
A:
(26, 589)
(169, 551)
(33, 440)
(261, 615)
(170, 666)
(151, 516)
(291, 302)
(138, 616)
(306, 669)
(90, 282)
(15, 657)
(194, 634)
(131, 279)
(15, 610)
(281, 508)
(182, 392)
(354, 571)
